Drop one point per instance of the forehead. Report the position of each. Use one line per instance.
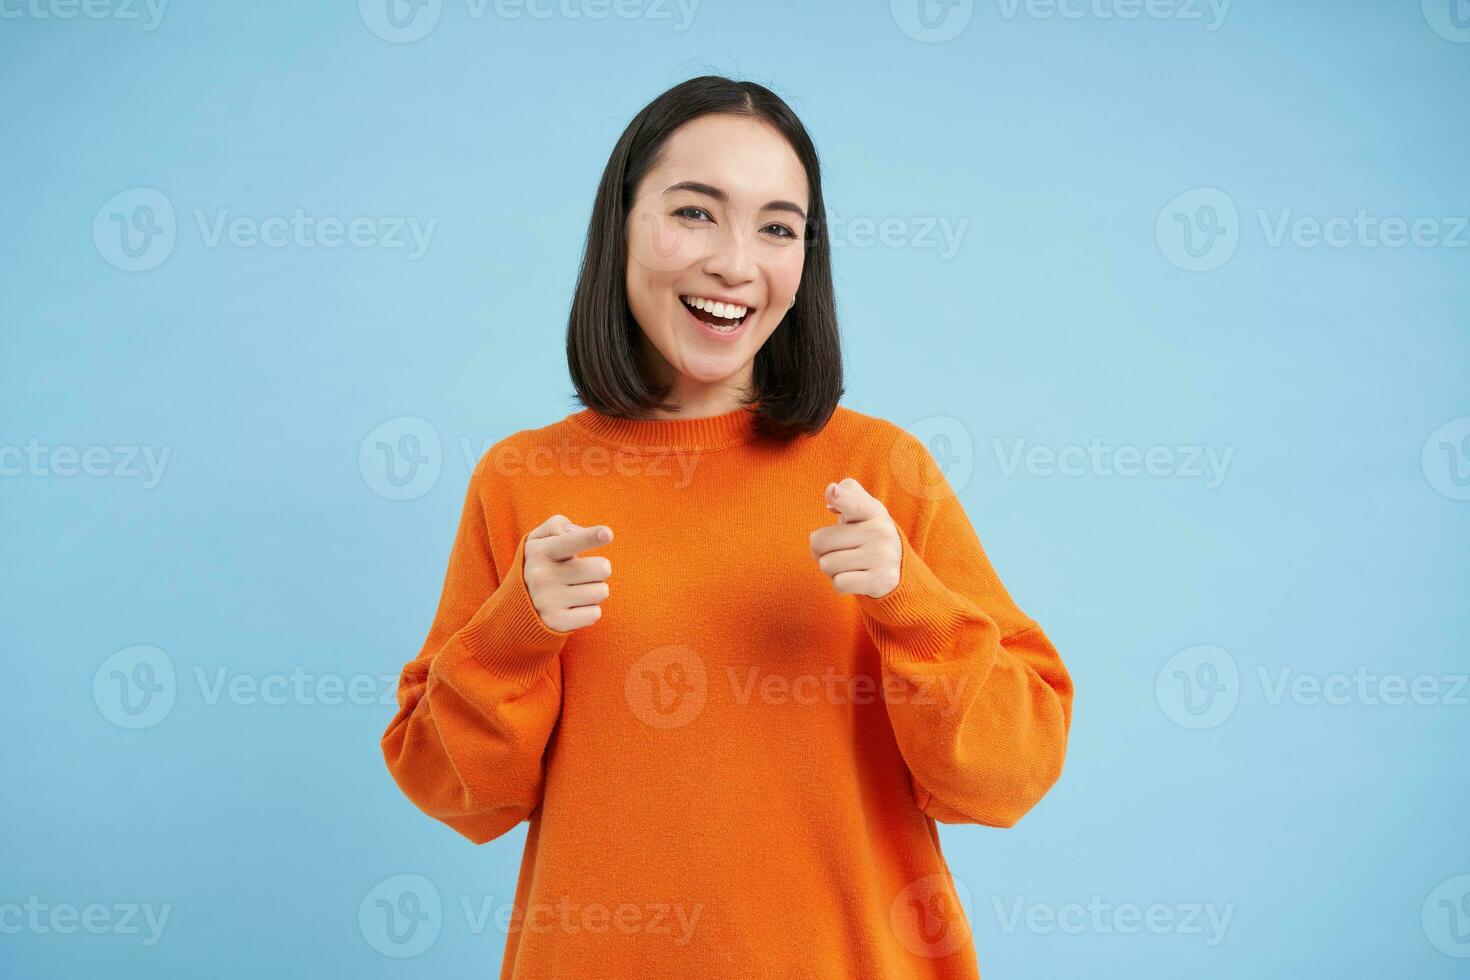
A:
(747, 158)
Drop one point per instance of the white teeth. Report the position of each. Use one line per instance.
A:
(726, 311)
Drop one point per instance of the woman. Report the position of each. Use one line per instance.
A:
(733, 762)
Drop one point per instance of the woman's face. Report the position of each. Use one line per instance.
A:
(721, 219)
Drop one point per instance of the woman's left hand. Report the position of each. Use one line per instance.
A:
(862, 552)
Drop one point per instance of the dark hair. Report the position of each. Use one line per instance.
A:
(797, 374)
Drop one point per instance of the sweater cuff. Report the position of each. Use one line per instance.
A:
(922, 619)
(506, 635)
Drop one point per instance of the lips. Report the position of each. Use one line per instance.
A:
(713, 327)
(717, 309)
(704, 316)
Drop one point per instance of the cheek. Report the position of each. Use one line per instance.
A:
(783, 274)
(659, 248)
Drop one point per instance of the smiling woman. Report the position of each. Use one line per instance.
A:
(712, 271)
(707, 283)
(810, 659)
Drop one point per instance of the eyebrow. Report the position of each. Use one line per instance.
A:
(719, 195)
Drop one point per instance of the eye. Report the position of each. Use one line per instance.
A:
(684, 211)
(783, 231)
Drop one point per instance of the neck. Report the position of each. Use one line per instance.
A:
(692, 398)
(700, 404)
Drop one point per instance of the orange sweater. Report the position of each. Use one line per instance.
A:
(736, 771)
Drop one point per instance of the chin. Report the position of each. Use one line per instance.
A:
(710, 373)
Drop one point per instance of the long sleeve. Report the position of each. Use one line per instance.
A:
(979, 700)
(478, 704)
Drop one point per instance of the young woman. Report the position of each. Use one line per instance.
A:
(732, 763)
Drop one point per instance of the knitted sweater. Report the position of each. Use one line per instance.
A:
(737, 770)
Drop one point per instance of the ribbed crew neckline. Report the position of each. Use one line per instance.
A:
(651, 435)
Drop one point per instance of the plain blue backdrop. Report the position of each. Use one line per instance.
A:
(1177, 294)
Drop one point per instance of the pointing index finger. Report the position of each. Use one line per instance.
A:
(563, 546)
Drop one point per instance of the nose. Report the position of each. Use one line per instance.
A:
(728, 256)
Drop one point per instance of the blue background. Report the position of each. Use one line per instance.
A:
(1334, 541)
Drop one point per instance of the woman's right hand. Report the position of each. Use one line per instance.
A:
(565, 589)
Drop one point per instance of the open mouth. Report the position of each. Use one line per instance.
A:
(719, 317)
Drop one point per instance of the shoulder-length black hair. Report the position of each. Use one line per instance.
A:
(797, 374)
